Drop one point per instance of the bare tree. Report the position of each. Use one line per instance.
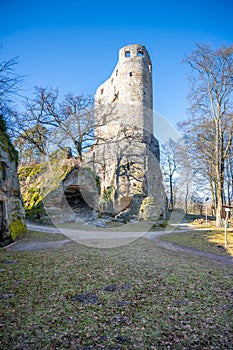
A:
(178, 170)
(9, 80)
(32, 144)
(185, 174)
(75, 123)
(49, 124)
(210, 127)
(169, 166)
(10, 83)
(229, 179)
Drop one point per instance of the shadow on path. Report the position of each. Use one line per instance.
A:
(153, 236)
(228, 260)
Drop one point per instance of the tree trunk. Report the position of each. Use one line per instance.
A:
(171, 192)
(219, 204)
(186, 199)
(219, 170)
(213, 201)
(78, 146)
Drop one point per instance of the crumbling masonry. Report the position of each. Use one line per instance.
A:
(126, 154)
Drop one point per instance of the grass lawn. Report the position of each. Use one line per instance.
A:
(137, 296)
(209, 240)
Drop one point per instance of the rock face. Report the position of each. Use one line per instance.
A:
(74, 199)
(121, 175)
(126, 154)
(12, 216)
(62, 190)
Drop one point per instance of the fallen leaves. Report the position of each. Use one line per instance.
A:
(60, 300)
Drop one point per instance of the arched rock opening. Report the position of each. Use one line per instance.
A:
(75, 200)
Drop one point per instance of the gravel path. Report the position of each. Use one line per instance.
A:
(228, 260)
(35, 245)
(108, 239)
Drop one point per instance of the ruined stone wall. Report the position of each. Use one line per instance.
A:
(127, 94)
(126, 156)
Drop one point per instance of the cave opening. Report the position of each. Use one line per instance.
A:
(76, 202)
(74, 197)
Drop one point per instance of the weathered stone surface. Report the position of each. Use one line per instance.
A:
(150, 209)
(122, 169)
(12, 216)
(126, 155)
(74, 199)
(130, 82)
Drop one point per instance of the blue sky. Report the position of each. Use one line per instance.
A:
(73, 45)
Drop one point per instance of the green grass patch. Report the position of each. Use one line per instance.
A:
(31, 236)
(207, 241)
(217, 237)
(114, 226)
(171, 300)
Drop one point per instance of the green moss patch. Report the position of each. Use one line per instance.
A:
(5, 142)
(39, 180)
(17, 227)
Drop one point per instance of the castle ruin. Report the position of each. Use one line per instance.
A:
(126, 154)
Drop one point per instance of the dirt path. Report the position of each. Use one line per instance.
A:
(228, 260)
(43, 228)
(109, 239)
(35, 245)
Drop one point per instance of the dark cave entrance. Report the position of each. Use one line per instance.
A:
(76, 202)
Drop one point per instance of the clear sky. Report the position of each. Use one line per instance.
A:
(73, 45)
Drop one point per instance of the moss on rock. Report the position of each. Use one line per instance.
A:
(17, 227)
(12, 211)
(5, 142)
(40, 180)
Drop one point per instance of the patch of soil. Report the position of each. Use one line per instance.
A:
(86, 298)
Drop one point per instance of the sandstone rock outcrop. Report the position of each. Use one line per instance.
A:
(12, 216)
(59, 191)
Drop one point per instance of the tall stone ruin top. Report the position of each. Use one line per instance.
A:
(135, 66)
(131, 79)
(126, 154)
(129, 89)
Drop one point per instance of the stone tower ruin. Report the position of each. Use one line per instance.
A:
(127, 94)
(126, 154)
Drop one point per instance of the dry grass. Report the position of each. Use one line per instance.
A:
(211, 241)
(160, 299)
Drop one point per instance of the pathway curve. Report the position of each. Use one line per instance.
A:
(35, 245)
(109, 239)
(228, 260)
